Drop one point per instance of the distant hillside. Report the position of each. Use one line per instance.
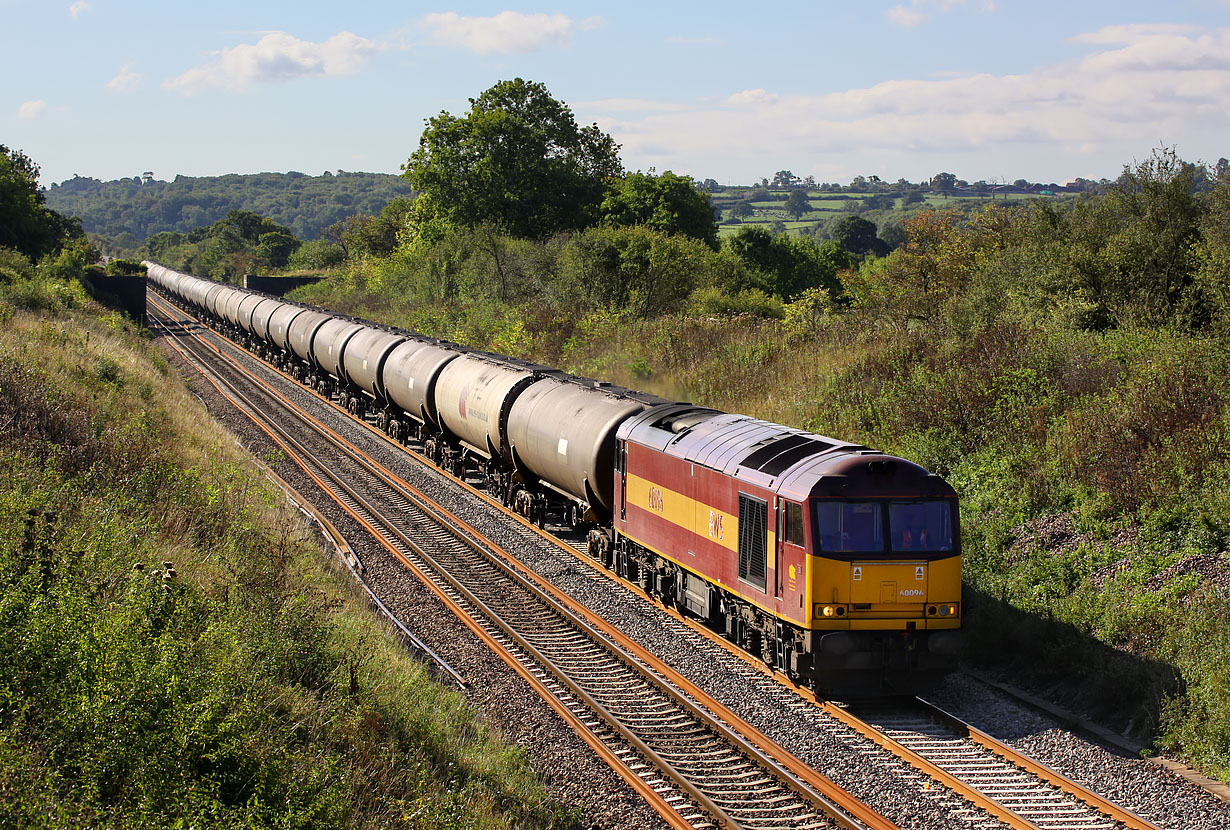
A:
(130, 210)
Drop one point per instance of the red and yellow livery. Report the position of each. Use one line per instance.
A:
(839, 565)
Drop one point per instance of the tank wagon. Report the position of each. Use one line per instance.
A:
(836, 564)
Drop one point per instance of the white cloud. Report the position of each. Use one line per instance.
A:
(1138, 85)
(78, 7)
(915, 13)
(125, 80)
(31, 109)
(905, 16)
(1127, 33)
(277, 57)
(507, 31)
(633, 105)
(751, 98)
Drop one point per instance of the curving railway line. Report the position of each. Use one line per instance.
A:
(641, 716)
(696, 770)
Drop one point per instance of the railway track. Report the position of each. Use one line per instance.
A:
(1009, 786)
(698, 764)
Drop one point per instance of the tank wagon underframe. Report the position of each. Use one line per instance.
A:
(714, 514)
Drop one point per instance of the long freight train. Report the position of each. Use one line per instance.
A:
(836, 564)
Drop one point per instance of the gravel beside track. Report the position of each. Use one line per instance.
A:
(578, 778)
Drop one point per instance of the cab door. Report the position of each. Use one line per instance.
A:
(791, 562)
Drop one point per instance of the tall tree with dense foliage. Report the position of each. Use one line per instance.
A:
(857, 236)
(518, 160)
(797, 204)
(26, 224)
(667, 203)
(790, 264)
(242, 242)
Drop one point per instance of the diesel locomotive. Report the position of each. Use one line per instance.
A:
(837, 565)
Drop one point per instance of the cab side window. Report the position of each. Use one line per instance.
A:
(792, 524)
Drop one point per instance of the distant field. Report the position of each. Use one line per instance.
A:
(825, 204)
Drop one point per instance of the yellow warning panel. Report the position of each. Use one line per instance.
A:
(888, 582)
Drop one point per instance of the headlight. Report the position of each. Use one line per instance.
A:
(830, 610)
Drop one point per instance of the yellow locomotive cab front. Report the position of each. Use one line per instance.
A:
(886, 585)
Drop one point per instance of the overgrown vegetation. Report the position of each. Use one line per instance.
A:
(1062, 363)
(240, 243)
(174, 651)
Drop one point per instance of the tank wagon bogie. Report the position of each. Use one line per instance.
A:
(835, 564)
(410, 374)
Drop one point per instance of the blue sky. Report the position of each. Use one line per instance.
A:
(986, 89)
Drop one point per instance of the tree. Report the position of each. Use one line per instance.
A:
(667, 203)
(518, 161)
(741, 210)
(797, 204)
(26, 225)
(784, 178)
(631, 268)
(790, 264)
(943, 182)
(366, 235)
(857, 236)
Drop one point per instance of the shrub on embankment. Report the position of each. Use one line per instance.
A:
(1063, 366)
(248, 685)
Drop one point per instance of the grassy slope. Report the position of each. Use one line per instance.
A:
(1093, 469)
(252, 688)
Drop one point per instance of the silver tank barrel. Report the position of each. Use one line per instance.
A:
(565, 434)
(473, 397)
(410, 374)
(329, 344)
(364, 357)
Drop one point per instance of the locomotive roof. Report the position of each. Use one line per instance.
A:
(792, 462)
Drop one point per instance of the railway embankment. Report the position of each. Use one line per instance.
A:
(175, 648)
